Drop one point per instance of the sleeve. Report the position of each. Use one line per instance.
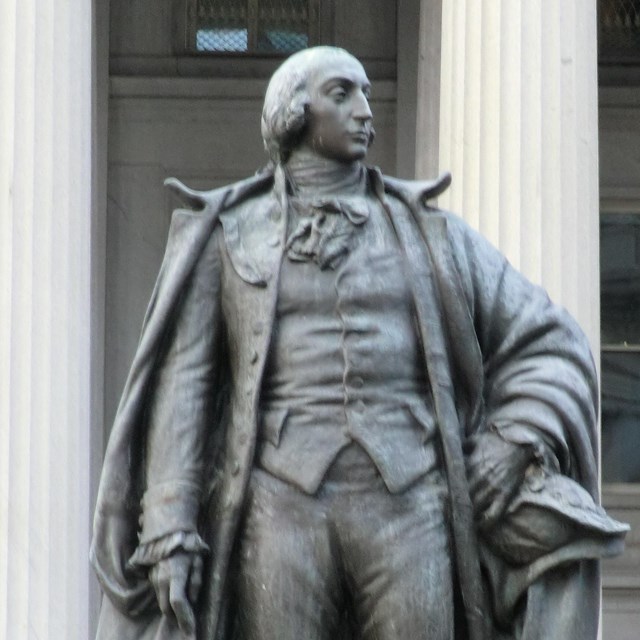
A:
(540, 384)
(179, 411)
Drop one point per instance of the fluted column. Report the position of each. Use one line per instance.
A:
(518, 130)
(45, 262)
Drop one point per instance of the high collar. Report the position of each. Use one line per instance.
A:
(311, 175)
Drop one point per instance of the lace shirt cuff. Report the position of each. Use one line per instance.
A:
(149, 553)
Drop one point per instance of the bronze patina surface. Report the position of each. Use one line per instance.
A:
(348, 415)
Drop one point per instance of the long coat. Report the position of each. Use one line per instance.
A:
(497, 353)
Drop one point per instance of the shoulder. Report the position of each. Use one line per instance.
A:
(223, 199)
(194, 227)
(414, 193)
(203, 210)
(236, 224)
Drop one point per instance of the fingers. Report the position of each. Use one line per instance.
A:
(484, 493)
(495, 471)
(160, 579)
(494, 509)
(195, 579)
(171, 579)
(481, 476)
(178, 597)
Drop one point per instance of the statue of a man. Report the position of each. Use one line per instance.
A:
(348, 414)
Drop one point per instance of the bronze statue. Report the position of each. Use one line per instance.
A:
(348, 415)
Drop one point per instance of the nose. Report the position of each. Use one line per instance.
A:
(361, 109)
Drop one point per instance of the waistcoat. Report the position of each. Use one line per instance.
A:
(345, 366)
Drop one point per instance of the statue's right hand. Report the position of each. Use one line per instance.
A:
(177, 580)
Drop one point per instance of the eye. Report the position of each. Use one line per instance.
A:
(338, 94)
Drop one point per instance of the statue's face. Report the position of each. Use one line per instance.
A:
(339, 124)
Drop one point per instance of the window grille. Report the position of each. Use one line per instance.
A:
(620, 334)
(619, 31)
(276, 27)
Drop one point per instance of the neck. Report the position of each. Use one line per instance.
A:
(313, 175)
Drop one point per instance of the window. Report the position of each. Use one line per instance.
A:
(264, 27)
(619, 31)
(620, 333)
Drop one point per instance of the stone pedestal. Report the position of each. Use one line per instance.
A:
(45, 317)
(519, 132)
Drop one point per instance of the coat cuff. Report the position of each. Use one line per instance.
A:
(543, 449)
(146, 555)
(167, 508)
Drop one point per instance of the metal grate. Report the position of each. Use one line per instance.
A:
(619, 30)
(246, 26)
(620, 335)
(283, 26)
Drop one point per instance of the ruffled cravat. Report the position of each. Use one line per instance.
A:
(325, 228)
(327, 206)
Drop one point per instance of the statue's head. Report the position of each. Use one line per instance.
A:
(318, 98)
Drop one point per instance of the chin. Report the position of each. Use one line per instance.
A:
(354, 155)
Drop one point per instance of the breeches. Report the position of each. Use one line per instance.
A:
(353, 547)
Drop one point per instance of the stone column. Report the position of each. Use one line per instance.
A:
(45, 287)
(519, 132)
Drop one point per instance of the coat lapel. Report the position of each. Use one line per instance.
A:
(423, 267)
(253, 239)
(463, 347)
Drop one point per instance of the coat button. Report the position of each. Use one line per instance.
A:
(242, 439)
(235, 468)
(258, 327)
(254, 357)
(275, 214)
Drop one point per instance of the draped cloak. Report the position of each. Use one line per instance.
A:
(498, 353)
